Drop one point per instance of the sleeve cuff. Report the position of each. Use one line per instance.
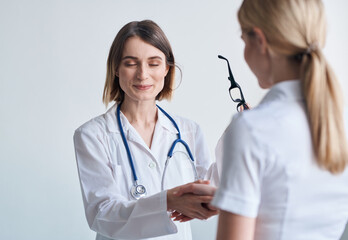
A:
(158, 203)
(230, 203)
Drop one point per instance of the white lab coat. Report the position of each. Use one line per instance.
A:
(106, 177)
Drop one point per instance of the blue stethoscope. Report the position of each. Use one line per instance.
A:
(138, 191)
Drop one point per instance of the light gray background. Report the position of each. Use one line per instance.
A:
(52, 70)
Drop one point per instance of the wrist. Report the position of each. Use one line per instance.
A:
(170, 201)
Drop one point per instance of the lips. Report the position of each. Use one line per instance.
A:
(142, 87)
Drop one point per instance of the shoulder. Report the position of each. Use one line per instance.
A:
(95, 126)
(247, 122)
(267, 117)
(101, 124)
(186, 125)
(249, 128)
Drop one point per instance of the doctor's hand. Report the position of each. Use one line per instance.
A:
(199, 187)
(191, 201)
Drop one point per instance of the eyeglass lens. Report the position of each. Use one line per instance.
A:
(236, 94)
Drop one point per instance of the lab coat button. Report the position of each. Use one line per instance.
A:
(152, 165)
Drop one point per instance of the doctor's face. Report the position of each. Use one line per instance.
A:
(141, 71)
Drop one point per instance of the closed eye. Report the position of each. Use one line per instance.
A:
(130, 64)
(155, 63)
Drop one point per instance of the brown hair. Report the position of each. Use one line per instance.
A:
(151, 33)
(297, 29)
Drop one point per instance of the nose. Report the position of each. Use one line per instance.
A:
(142, 72)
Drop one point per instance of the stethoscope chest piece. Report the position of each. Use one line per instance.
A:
(138, 191)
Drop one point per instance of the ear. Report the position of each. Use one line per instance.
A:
(116, 74)
(167, 70)
(260, 40)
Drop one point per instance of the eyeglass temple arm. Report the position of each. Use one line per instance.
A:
(235, 83)
(229, 68)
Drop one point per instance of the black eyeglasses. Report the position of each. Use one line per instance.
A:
(235, 91)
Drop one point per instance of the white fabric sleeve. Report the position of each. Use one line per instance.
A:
(201, 153)
(107, 211)
(240, 184)
(213, 174)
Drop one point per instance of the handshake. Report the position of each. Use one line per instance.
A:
(191, 200)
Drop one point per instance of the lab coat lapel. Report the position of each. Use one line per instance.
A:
(110, 119)
(163, 127)
(133, 136)
(130, 132)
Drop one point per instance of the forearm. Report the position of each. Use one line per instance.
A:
(235, 227)
(144, 218)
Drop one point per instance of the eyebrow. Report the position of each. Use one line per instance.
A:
(135, 58)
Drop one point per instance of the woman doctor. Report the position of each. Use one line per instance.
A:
(121, 154)
(285, 162)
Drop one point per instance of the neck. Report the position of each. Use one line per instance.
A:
(284, 69)
(139, 113)
(142, 115)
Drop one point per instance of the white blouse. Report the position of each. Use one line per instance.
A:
(270, 172)
(106, 177)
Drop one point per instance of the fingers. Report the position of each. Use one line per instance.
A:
(202, 209)
(198, 188)
(178, 191)
(211, 207)
(213, 213)
(191, 201)
(185, 219)
(182, 218)
(241, 107)
(206, 213)
(187, 188)
(202, 181)
(192, 206)
(195, 211)
(203, 189)
(175, 214)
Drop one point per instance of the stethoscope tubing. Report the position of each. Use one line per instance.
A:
(169, 155)
(130, 159)
(165, 169)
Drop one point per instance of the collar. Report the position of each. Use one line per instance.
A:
(165, 122)
(111, 122)
(290, 90)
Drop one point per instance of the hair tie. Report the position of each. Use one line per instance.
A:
(311, 48)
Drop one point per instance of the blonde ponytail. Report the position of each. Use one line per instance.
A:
(324, 101)
(297, 29)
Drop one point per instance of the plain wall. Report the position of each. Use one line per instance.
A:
(52, 71)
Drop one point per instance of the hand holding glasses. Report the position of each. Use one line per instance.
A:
(235, 91)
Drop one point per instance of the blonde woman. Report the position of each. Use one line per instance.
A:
(285, 161)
